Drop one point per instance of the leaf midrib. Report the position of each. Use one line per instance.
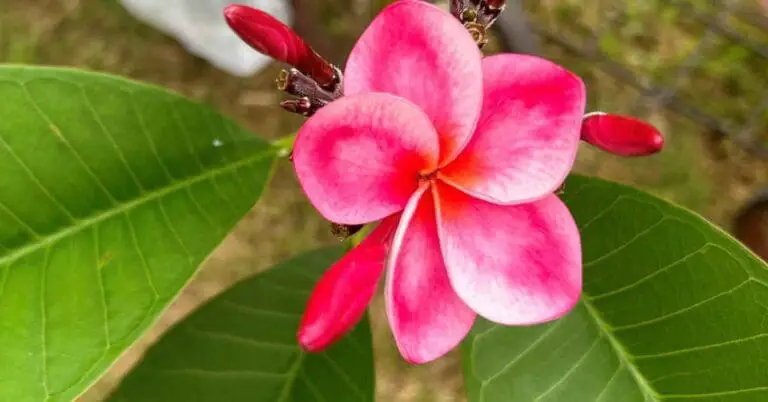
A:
(624, 358)
(83, 224)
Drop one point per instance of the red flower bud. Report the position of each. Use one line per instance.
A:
(621, 135)
(271, 37)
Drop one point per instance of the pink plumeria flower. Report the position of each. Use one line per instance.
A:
(439, 182)
(458, 156)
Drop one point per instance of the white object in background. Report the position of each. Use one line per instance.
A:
(200, 27)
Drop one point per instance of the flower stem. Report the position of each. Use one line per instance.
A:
(358, 237)
(284, 145)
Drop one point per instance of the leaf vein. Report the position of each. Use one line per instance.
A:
(145, 265)
(682, 310)
(259, 312)
(715, 394)
(600, 214)
(111, 138)
(610, 381)
(43, 325)
(626, 244)
(522, 354)
(570, 371)
(6, 270)
(150, 141)
(69, 146)
(650, 276)
(213, 335)
(343, 375)
(23, 224)
(174, 232)
(127, 206)
(188, 137)
(31, 174)
(220, 373)
(624, 357)
(286, 393)
(316, 392)
(702, 348)
(285, 290)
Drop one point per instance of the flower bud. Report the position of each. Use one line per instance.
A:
(621, 135)
(342, 295)
(300, 106)
(271, 37)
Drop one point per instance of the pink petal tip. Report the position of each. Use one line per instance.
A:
(417, 51)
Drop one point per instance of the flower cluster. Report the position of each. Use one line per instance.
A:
(456, 156)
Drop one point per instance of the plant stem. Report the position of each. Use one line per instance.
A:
(284, 145)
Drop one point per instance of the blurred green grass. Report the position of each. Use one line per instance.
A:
(652, 39)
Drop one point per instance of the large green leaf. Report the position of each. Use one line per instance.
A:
(242, 346)
(111, 194)
(673, 309)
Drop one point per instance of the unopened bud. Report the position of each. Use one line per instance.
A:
(300, 106)
(271, 37)
(621, 135)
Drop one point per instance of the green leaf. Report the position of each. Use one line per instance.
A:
(673, 309)
(242, 346)
(113, 193)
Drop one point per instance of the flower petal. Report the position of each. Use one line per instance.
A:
(420, 52)
(514, 265)
(427, 317)
(343, 293)
(359, 158)
(528, 132)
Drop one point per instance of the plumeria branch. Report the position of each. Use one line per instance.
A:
(311, 95)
